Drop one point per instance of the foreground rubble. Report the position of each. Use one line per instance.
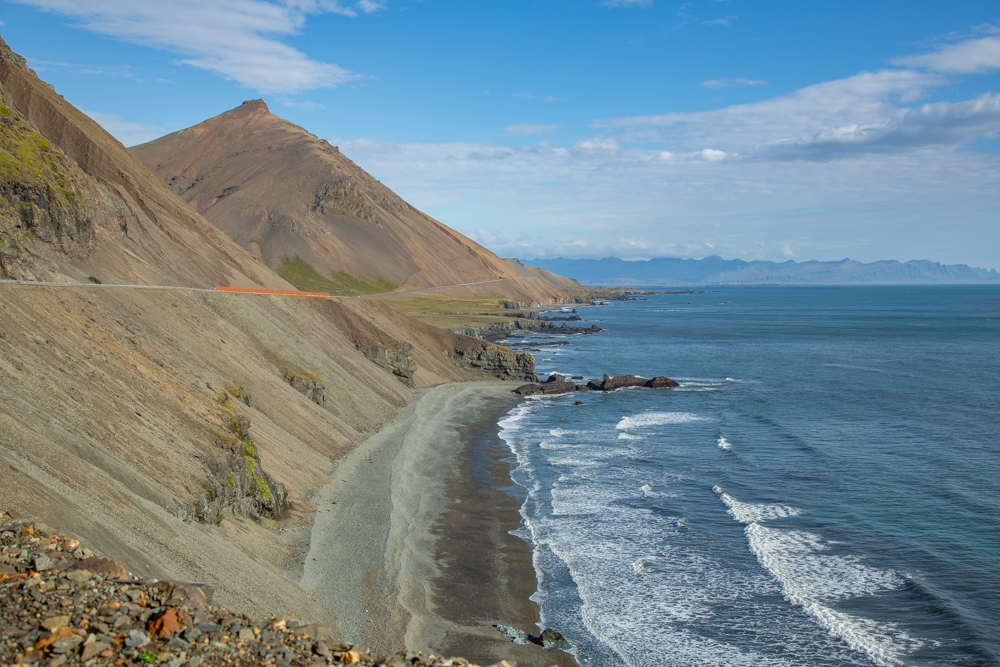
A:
(60, 604)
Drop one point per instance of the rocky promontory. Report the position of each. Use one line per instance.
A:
(558, 384)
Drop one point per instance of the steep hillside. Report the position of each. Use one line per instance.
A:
(317, 218)
(179, 431)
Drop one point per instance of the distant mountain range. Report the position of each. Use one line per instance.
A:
(669, 271)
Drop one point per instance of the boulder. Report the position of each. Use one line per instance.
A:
(661, 382)
(103, 566)
(622, 381)
(548, 388)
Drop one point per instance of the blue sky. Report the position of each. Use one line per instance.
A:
(589, 128)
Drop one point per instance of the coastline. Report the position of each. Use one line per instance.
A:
(410, 545)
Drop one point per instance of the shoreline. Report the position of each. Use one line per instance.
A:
(410, 545)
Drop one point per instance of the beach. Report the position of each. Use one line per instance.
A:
(410, 545)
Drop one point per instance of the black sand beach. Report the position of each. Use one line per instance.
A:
(410, 545)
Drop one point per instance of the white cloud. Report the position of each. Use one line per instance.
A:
(941, 123)
(529, 129)
(235, 38)
(366, 146)
(853, 167)
(130, 134)
(970, 56)
(724, 21)
(860, 99)
(303, 104)
(486, 237)
(596, 147)
(712, 155)
(731, 83)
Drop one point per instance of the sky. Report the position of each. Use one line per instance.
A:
(748, 129)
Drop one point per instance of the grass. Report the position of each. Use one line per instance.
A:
(28, 159)
(304, 277)
(291, 373)
(450, 312)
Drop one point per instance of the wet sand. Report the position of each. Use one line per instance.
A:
(410, 545)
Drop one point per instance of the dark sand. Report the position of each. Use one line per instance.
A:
(410, 545)
(486, 574)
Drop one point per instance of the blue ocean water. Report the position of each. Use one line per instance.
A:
(823, 488)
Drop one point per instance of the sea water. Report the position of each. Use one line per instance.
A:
(822, 489)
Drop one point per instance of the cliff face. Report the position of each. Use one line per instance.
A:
(161, 425)
(307, 210)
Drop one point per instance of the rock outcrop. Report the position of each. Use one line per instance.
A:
(308, 384)
(239, 484)
(393, 355)
(495, 361)
(557, 384)
(622, 381)
(500, 330)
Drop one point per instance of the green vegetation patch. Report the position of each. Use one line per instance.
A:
(453, 312)
(304, 277)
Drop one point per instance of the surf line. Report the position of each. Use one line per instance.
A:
(230, 290)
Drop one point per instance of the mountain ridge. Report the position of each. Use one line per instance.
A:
(714, 270)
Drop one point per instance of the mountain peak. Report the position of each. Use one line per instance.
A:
(253, 105)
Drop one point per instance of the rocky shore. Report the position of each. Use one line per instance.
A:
(500, 330)
(60, 604)
(558, 384)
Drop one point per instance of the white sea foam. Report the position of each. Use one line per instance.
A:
(656, 419)
(629, 436)
(812, 579)
(749, 512)
(725, 444)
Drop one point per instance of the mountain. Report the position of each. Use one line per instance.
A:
(171, 428)
(297, 203)
(714, 270)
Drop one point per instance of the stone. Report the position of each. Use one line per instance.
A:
(54, 623)
(136, 638)
(313, 631)
(41, 563)
(66, 644)
(553, 640)
(79, 575)
(661, 382)
(103, 566)
(93, 649)
(165, 624)
(247, 635)
(182, 594)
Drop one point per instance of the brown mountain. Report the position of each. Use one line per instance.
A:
(286, 195)
(169, 427)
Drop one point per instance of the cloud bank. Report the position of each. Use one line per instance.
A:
(860, 158)
(239, 39)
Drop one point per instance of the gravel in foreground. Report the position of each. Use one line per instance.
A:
(60, 604)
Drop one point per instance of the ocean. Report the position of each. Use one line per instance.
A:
(822, 489)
